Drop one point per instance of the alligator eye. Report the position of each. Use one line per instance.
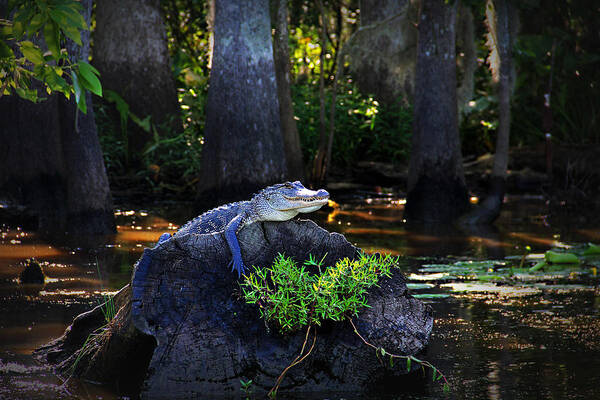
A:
(288, 185)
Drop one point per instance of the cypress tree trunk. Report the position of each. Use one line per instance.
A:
(51, 159)
(436, 184)
(318, 167)
(243, 148)
(501, 21)
(130, 51)
(504, 44)
(281, 55)
(382, 51)
(468, 60)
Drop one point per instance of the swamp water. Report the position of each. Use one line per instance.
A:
(501, 331)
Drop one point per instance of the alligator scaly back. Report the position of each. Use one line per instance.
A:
(214, 220)
(279, 202)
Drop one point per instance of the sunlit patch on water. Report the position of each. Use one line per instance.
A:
(533, 238)
(79, 293)
(491, 288)
(439, 276)
(21, 250)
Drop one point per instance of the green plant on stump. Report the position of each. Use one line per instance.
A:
(293, 297)
(109, 311)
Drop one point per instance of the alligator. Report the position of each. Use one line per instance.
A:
(279, 202)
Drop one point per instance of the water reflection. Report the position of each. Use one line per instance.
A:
(516, 335)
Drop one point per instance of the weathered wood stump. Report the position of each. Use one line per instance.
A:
(184, 297)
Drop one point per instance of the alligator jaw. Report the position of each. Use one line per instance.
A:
(310, 206)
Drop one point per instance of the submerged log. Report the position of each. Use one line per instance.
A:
(184, 297)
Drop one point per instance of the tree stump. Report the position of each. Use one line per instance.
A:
(186, 299)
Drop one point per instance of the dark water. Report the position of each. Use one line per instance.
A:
(528, 336)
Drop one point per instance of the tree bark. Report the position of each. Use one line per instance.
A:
(184, 298)
(281, 56)
(130, 51)
(382, 51)
(468, 59)
(51, 159)
(318, 170)
(436, 186)
(501, 20)
(504, 44)
(243, 148)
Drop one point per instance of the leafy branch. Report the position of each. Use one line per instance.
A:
(23, 60)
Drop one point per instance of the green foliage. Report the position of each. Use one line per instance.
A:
(555, 45)
(572, 258)
(293, 297)
(172, 162)
(558, 44)
(107, 306)
(364, 129)
(246, 387)
(188, 40)
(22, 61)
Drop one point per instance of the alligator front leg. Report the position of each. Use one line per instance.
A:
(231, 231)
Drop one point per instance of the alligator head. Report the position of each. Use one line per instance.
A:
(285, 200)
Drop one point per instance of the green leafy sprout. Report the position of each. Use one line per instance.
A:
(293, 297)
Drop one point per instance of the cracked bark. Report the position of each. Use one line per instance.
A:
(244, 149)
(437, 191)
(185, 297)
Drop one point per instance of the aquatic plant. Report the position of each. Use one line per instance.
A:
(293, 297)
(107, 304)
(109, 311)
(573, 257)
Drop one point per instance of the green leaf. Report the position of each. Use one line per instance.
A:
(89, 79)
(538, 266)
(72, 33)
(6, 31)
(27, 94)
(90, 67)
(79, 93)
(36, 23)
(66, 24)
(408, 362)
(561, 258)
(18, 29)
(146, 124)
(592, 249)
(5, 51)
(52, 39)
(55, 81)
(32, 52)
(71, 15)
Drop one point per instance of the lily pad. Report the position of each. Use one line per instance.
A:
(592, 250)
(418, 286)
(431, 296)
